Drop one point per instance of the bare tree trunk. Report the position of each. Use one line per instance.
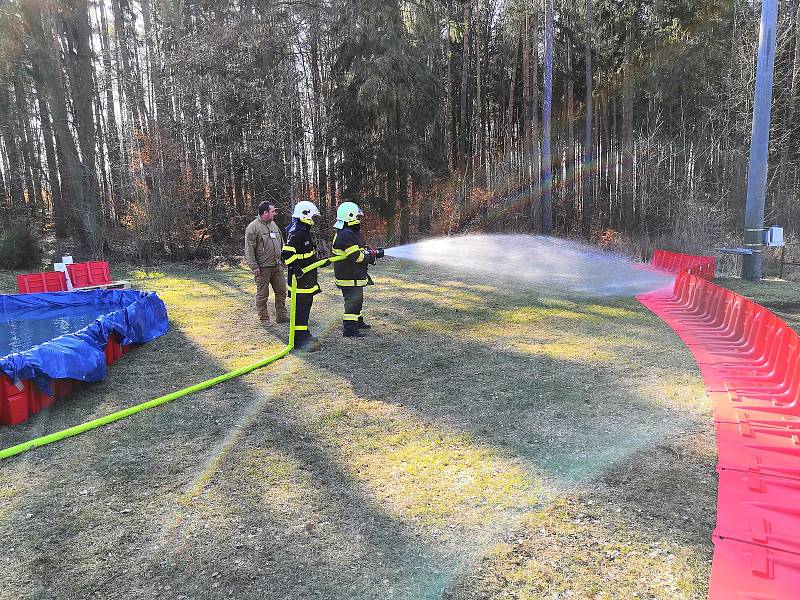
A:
(76, 25)
(317, 118)
(81, 203)
(126, 76)
(405, 208)
(527, 138)
(569, 170)
(464, 84)
(627, 182)
(32, 167)
(449, 101)
(50, 155)
(478, 151)
(547, 109)
(587, 167)
(4, 201)
(118, 187)
(783, 161)
(7, 127)
(532, 109)
(510, 109)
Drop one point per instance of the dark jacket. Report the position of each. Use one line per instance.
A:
(352, 272)
(299, 252)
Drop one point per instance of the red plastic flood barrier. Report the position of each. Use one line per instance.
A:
(744, 571)
(33, 283)
(675, 262)
(750, 362)
(89, 274)
(757, 510)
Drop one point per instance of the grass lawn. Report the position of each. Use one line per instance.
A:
(481, 442)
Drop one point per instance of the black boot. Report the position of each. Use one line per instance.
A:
(305, 342)
(350, 329)
(362, 325)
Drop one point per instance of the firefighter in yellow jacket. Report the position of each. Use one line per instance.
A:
(299, 252)
(351, 274)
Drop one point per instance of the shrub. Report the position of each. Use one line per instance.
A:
(19, 248)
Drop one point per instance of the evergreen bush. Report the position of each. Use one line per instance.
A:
(19, 248)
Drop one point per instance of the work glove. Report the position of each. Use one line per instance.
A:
(369, 256)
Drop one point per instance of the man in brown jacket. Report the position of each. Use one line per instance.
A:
(262, 252)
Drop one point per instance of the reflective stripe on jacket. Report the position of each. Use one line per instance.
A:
(353, 271)
(299, 252)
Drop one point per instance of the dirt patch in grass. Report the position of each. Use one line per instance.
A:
(480, 442)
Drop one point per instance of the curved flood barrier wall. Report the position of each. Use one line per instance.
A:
(34, 377)
(675, 262)
(749, 361)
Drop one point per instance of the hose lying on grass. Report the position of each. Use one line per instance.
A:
(132, 410)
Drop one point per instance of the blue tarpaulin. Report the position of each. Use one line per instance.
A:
(136, 317)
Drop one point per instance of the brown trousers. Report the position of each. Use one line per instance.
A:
(277, 278)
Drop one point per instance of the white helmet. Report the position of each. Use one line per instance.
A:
(348, 213)
(305, 210)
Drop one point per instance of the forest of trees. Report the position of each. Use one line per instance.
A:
(162, 124)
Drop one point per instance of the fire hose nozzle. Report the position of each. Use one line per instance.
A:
(378, 252)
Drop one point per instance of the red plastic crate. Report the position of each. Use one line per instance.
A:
(34, 283)
(89, 273)
(14, 403)
(113, 350)
(17, 405)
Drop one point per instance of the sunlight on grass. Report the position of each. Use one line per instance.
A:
(419, 472)
(531, 315)
(677, 389)
(271, 477)
(441, 296)
(572, 553)
(615, 312)
(8, 492)
(212, 310)
(566, 351)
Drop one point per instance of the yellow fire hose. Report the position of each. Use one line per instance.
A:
(127, 412)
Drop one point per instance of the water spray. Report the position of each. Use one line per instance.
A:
(527, 260)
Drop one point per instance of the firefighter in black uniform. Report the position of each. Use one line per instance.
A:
(351, 274)
(299, 252)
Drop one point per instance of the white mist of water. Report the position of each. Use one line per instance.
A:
(536, 260)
